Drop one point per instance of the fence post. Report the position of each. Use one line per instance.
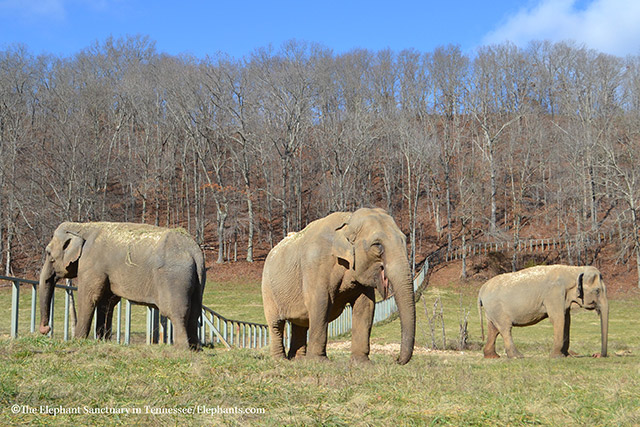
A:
(15, 301)
(118, 321)
(53, 303)
(153, 325)
(34, 298)
(95, 323)
(67, 303)
(127, 321)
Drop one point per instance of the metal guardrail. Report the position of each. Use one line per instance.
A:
(524, 245)
(214, 328)
(217, 329)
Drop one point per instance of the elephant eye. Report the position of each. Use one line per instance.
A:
(377, 247)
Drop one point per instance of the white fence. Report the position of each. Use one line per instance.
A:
(214, 328)
(384, 309)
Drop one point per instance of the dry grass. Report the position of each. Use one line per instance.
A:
(436, 388)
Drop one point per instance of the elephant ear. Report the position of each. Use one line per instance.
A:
(72, 249)
(343, 248)
(580, 287)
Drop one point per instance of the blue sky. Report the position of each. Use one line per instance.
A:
(200, 28)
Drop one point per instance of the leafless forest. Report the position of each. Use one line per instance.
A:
(504, 144)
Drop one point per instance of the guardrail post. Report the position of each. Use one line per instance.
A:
(15, 305)
(202, 329)
(34, 304)
(118, 320)
(66, 314)
(95, 323)
(51, 310)
(127, 322)
(153, 325)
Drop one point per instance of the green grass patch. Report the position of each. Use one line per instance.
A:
(237, 301)
(433, 389)
(168, 386)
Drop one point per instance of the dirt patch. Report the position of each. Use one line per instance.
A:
(394, 348)
(241, 271)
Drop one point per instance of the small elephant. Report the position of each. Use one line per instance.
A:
(310, 276)
(526, 297)
(158, 267)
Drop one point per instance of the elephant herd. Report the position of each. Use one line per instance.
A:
(308, 279)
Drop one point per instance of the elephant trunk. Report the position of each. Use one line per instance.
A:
(399, 274)
(604, 325)
(46, 286)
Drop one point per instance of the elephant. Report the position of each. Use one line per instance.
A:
(310, 276)
(526, 297)
(153, 266)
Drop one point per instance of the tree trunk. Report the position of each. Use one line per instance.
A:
(251, 225)
(222, 217)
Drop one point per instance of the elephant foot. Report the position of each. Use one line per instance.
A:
(317, 358)
(515, 356)
(360, 359)
(554, 355)
(299, 354)
(490, 353)
(45, 329)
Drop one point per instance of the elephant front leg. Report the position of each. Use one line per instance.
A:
(85, 316)
(318, 324)
(567, 331)
(363, 309)
(560, 333)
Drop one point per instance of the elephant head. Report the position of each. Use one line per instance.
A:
(374, 249)
(591, 294)
(61, 261)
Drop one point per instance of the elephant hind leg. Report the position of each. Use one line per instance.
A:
(490, 346)
(276, 335)
(509, 345)
(193, 321)
(298, 347)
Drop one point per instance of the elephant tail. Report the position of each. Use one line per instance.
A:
(480, 315)
(201, 271)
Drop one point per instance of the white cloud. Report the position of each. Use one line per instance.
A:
(611, 26)
(49, 10)
(34, 9)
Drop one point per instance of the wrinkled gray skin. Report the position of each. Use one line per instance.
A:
(310, 276)
(148, 265)
(526, 297)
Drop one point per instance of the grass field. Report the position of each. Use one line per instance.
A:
(173, 387)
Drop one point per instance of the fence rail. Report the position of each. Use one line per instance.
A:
(217, 329)
(383, 310)
(214, 328)
(526, 245)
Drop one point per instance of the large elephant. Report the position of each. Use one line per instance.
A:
(310, 276)
(526, 297)
(153, 266)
